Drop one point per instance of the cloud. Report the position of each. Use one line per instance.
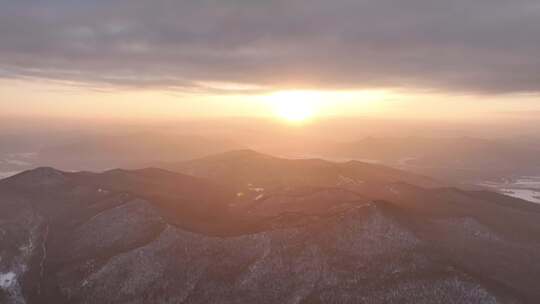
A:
(481, 46)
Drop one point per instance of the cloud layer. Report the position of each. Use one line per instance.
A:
(482, 46)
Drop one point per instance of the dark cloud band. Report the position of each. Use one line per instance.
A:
(486, 46)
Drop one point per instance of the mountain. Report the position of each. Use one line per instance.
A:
(457, 158)
(100, 152)
(337, 233)
(244, 167)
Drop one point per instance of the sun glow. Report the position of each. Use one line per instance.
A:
(302, 106)
(295, 106)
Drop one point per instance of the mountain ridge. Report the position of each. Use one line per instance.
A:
(123, 236)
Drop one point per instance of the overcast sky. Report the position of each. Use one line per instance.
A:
(480, 47)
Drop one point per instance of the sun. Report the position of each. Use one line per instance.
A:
(295, 111)
(295, 106)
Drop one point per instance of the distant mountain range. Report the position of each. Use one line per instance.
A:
(102, 152)
(247, 166)
(462, 160)
(98, 152)
(457, 158)
(244, 227)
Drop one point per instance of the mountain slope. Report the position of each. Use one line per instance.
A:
(153, 236)
(244, 167)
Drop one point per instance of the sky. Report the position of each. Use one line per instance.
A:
(290, 59)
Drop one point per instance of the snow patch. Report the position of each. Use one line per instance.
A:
(255, 189)
(7, 280)
(524, 194)
(393, 190)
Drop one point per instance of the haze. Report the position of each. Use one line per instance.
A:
(264, 73)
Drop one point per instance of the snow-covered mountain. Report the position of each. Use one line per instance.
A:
(252, 228)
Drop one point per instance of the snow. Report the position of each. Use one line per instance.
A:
(525, 187)
(532, 181)
(393, 190)
(258, 190)
(7, 280)
(255, 189)
(525, 194)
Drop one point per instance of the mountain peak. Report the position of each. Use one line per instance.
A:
(41, 176)
(44, 172)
